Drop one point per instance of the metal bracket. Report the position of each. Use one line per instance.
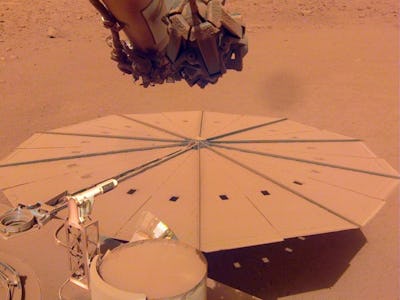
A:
(24, 218)
(82, 244)
(11, 279)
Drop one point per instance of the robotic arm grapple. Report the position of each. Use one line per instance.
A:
(170, 40)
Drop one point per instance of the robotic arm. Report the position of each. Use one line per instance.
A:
(170, 40)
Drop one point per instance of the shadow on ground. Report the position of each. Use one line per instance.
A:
(283, 89)
(294, 266)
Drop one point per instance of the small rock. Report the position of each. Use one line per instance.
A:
(287, 249)
(211, 284)
(306, 12)
(2, 58)
(237, 265)
(8, 49)
(265, 260)
(51, 32)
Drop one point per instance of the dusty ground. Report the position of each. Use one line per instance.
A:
(330, 64)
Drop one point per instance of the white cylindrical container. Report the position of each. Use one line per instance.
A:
(156, 269)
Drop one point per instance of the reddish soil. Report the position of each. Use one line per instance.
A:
(329, 64)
